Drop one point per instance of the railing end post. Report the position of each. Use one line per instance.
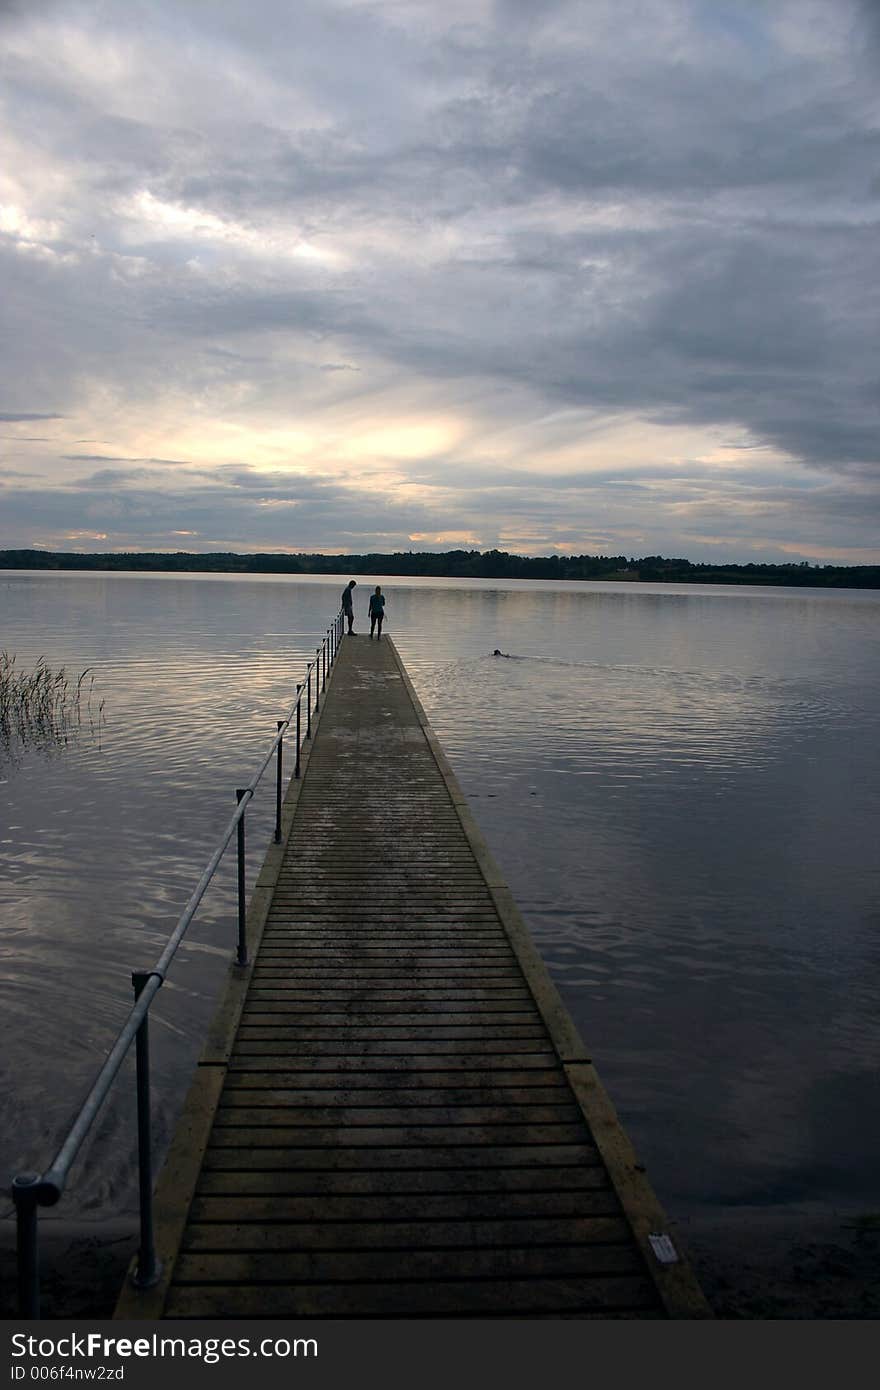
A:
(25, 1188)
(148, 1268)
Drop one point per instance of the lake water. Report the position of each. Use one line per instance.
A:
(680, 784)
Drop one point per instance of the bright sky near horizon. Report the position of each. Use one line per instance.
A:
(589, 276)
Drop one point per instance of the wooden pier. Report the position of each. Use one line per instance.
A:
(394, 1115)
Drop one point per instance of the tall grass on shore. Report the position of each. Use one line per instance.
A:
(42, 707)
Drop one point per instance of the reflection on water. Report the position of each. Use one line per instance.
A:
(681, 786)
(101, 848)
(682, 790)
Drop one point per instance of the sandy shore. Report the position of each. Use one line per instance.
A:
(751, 1263)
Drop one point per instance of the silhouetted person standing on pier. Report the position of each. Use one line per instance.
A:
(347, 604)
(377, 611)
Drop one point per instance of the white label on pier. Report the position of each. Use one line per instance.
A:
(663, 1248)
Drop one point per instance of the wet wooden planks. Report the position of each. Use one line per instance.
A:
(397, 1133)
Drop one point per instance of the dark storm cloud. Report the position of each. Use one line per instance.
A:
(15, 417)
(121, 458)
(113, 477)
(235, 505)
(662, 212)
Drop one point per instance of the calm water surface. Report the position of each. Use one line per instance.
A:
(681, 785)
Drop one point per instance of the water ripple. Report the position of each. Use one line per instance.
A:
(681, 789)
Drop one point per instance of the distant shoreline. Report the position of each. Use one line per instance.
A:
(457, 564)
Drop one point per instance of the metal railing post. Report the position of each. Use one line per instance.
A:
(278, 786)
(325, 647)
(149, 1268)
(317, 678)
(24, 1192)
(242, 905)
(298, 720)
(309, 703)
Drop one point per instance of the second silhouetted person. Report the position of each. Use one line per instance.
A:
(377, 611)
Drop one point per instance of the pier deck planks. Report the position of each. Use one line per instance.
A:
(398, 1128)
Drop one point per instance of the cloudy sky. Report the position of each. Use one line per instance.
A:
(343, 275)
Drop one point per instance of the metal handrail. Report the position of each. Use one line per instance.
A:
(32, 1190)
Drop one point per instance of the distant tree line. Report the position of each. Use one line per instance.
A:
(459, 564)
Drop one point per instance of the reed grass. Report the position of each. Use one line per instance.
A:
(43, 706)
